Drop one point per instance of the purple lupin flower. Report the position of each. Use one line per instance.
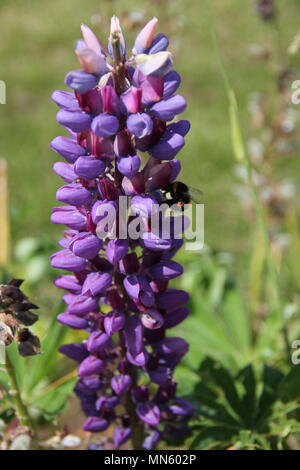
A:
(118, 290)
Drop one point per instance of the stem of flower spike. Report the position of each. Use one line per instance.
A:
(119, 66)
(119, 76)
(119, 84)
(14, 391)
(137, 436)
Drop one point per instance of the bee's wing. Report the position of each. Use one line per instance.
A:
(196, 195)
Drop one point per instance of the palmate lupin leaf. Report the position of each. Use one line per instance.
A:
(250, 410)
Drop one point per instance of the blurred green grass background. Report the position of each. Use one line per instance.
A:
(36, 52)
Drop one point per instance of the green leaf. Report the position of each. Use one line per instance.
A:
(54, 401)
(36, 268)
(226, 383)
(247, 378)
(236, 134)
(26, 248)
(220, 403)
(207, 336)
(271, 380)
(213, 438)
(237, 321)
(289, 388)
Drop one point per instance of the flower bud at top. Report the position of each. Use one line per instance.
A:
(145, 37)
(116, 39)
(91, 39)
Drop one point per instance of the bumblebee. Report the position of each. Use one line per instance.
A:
(179, 193)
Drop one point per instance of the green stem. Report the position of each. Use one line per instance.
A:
(15, 393)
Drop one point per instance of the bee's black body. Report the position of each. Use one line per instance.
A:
(179, 194)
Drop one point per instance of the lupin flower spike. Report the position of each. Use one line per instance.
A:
(118, 288)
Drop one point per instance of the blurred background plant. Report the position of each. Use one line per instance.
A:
(244, 285)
